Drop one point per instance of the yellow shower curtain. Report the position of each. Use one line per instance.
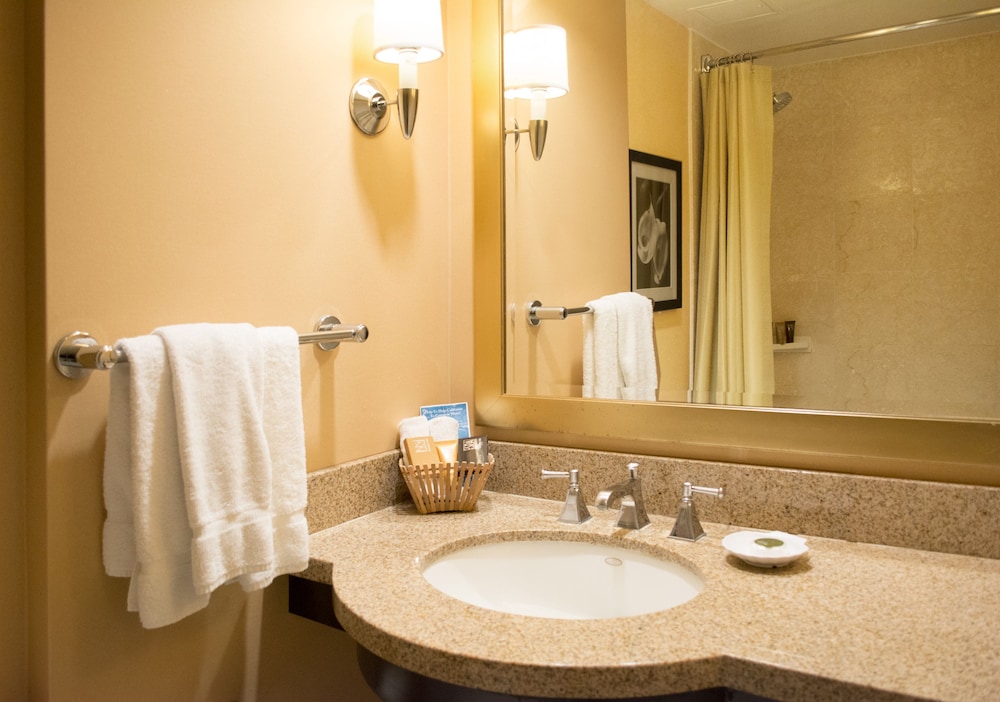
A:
(734, 361)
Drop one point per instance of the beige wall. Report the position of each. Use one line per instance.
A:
(884, 231)
(13, 657)
(200, 165)
(658, 76)
(568, 214)
(566, 242)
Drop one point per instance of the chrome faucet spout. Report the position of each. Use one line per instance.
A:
(609, 497)
(628, 494)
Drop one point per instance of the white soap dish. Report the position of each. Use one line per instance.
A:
(765, 549)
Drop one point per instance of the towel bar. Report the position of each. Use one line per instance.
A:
(536, 312)
(78, 353)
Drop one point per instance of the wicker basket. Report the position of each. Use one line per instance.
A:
(446, 487)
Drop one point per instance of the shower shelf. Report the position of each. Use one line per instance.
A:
(802, 345)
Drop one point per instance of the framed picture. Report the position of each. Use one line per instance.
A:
(656, 228)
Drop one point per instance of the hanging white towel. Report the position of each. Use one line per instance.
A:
(119, 526)
(601, 375)
(636, 353)
(146, 533)
(285, 434)
(443, 428)
(204, 477)
(238, 500)
(619, 360)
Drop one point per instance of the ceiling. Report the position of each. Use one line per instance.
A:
(754, 25)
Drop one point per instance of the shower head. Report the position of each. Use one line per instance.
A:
(780, 101)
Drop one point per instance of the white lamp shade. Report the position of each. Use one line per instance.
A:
(411, 26)
(534, 63)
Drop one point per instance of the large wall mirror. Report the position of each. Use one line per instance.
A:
(885, 236)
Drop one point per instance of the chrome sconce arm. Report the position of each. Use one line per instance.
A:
(370, 107)
(407, 33)
(536, 130)
(535, 69)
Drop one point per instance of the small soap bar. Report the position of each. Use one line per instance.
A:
(421, 450)
(769, 542)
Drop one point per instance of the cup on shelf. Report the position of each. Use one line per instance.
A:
(778, 334)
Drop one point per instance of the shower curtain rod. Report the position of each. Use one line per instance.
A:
(708, 63)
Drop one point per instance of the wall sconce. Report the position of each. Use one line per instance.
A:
(406, 32)
(535, 68)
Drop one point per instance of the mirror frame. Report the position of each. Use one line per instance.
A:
(946, 450)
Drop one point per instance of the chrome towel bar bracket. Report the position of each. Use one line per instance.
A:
(78, 353)
(537, 312)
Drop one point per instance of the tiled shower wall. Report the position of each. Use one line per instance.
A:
(886, 231)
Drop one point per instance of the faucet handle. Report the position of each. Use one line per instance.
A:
(689, 488)
(573, 475)
(633, 470)
(575, 509)
(687, 527)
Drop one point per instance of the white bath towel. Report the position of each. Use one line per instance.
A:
(636, 350)
(285, 433)
(119, 526)
(601, 375)
(146, 533)
(619, 359)
(242, 492)
(443, 428)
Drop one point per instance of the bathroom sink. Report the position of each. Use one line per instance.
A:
(563, 579)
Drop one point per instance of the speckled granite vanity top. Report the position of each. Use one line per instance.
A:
(848, 621)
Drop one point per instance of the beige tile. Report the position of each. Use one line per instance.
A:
(875, 233)
(946, 378)
(808, 301)
(950, 152)
(996, 401)
(952, 76)
(868, 309)
(806, 380)
(810, 86)
(803, 133)
(958, 308)
(872, 158)
(874, 87)
(863, 377)
(958, 231)
(803, 236)
(911, 159)
(804, 162)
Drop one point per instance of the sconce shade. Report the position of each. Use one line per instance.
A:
(534, 63)
(402, 27)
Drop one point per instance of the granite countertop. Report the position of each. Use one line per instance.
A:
(847, 621)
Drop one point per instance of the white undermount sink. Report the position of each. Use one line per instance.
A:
(563, 579)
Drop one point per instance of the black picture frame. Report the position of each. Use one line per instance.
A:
(655, 199)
